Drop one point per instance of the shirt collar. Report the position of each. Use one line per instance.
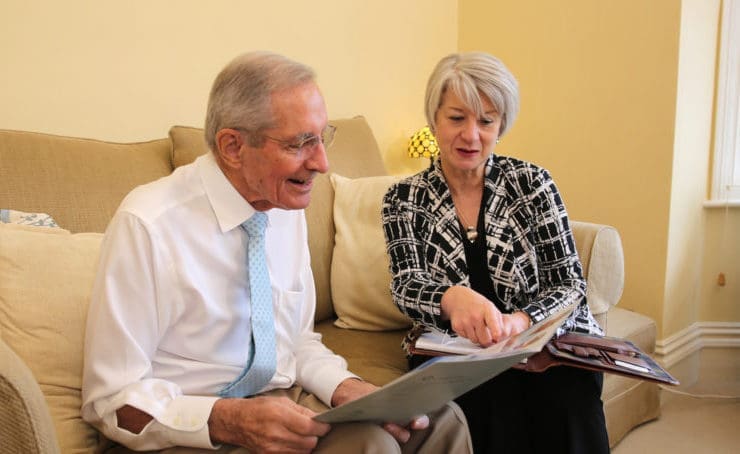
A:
(228, 205)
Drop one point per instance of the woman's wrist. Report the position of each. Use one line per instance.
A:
(525, 318)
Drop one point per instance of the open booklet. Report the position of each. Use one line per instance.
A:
(443, 378)
(601, 353)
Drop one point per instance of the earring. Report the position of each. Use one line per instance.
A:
(497, 140)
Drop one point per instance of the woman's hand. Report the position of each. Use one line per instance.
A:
(516, 322)
(474, 317)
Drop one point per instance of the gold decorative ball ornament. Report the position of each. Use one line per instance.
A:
(423, 144)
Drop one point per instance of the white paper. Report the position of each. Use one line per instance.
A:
(634, 367)
(444, 342)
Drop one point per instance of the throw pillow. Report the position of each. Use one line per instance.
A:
(21, 217)
(45, 280)
(360, 279)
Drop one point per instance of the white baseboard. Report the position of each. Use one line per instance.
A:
(680, 345)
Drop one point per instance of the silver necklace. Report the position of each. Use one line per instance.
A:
(471, 232)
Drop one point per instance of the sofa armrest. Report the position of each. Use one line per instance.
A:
(25, 422)
(600, 250)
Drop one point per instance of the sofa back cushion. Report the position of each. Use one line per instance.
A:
(354, 153)
(360, 275)
(602, 257)
(79, 182)
(46, 275)
(187, 144)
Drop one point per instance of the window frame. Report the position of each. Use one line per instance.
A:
(726, 167)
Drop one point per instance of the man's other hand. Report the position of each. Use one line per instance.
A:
(352, 388)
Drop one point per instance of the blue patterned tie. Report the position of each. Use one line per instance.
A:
(261, 364)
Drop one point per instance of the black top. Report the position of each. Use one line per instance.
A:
(476, 258)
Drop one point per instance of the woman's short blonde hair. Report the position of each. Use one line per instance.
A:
(471, 75)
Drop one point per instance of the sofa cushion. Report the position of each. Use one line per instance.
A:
(375, 356)
(360, 280)
(629, 402)
(79, 182)
(187, 144)
(353, 143)
(45, 280)
(633, 326)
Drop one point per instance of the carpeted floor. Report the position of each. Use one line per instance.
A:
(693, 424)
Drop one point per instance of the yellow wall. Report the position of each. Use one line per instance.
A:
(129, 70)
(617, 101)
(721, 255)
(598, 84)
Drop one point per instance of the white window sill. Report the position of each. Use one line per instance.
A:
(731, 203)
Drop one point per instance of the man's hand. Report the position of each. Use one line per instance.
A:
(265, 424)
(352, 388)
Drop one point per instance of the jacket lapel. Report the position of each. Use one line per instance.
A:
(499, 236)
(447, 229)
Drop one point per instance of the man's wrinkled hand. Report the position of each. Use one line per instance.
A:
(352, 389)
(265, 424)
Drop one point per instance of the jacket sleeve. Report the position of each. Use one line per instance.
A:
(548, 261)
(414, 291)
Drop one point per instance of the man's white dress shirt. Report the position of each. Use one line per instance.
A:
(169, 319)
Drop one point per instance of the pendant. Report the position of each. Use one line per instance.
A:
(471, 233)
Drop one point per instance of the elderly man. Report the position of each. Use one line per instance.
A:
(204, 294)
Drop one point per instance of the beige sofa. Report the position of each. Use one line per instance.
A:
(46, 274)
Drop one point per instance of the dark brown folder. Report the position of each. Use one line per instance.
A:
(605, 354)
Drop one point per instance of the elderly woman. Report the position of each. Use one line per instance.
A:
(480, 245)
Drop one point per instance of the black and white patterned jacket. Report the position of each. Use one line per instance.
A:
(531, 254)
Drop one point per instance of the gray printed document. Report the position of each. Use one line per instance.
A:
(443, 378)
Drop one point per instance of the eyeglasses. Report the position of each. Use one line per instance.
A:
(299, 144)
